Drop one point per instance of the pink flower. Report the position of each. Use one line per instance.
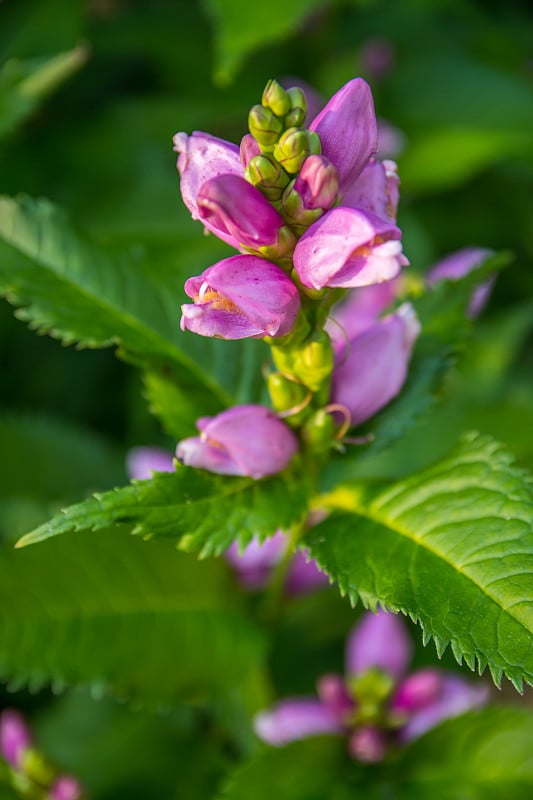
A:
(244, 440)
(15, 737)
(348, 130)
(66, 788)
(242, 296)
(459, 264)
(349, 247)
(141, 462)
(375, 705)
(238, 214)
(374, 368)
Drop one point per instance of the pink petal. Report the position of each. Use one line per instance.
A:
(376, 190)
(348, 130)
(201, 158)
(378, 641)
(376, 364)
(348, 247)
(456, 696)
(293, 719)
(142, 461)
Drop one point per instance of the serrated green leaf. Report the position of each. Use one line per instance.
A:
(144, 622)
(451, 546)
(24, 84)
(200, 511)
(71, 289)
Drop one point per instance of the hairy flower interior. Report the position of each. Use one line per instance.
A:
(216, 300)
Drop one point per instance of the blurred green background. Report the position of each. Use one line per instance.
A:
(91, 93)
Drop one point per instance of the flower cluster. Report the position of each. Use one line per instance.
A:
(312, 213)
(376, 705)
(31, 771)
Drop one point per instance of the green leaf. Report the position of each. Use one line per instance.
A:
(143, 622)
(484, 755)
(481, 756)
(201, 511)
(24, 84)
(446, 158)
(49, 458)
(77, 293)
(239, 33)
(451, 546)
(312, 769)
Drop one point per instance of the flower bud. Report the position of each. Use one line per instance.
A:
(295, 118)
(65, 788)
(248, 149)
(292, 149)
(311, 363)
(286, 394)
(264, 126)
(240, 297)
(313, 192)
(332, 692)
(266, 174)
(378, 641)
(368, 744)
(238, 213)
(15, 737)
(319, 431)
(276, 98)
(244, 440)
(142, 462)
(375, 367)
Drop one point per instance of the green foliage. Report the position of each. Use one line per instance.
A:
(199, 510)
(61, 458)
(25, 84)
(77, 293)
(237, 34)
(142, 622)
(452, 547)
(481, 756)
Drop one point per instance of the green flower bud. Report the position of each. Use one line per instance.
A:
(295, 118)
(315, 145)
(267, 175)
(276, 98)
(292, 149)
(283, 247)
(264, 126)
(319, 431)
(311, 363)
(37, 767)
(287, 395)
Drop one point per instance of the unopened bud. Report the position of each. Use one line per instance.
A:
(292, 149)
(315, 145)
(282, 249)
(267, 175)
(276, 98)
(295, 118)
(319, 431)
(313, 192)
(311, 363)
(264, 126)
(288, 395)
